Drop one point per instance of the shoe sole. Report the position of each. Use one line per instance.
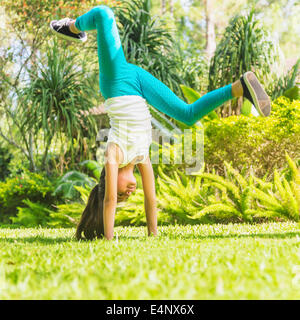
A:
(260, 98)
(63, 36)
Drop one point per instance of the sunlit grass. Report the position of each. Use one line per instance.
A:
(184, 262)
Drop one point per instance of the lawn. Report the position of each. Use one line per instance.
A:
(184, 262)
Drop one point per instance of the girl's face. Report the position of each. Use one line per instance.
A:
(126, 183)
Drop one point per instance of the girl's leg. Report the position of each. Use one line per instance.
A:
(112, 62)
(161, 97)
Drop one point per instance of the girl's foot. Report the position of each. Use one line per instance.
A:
(255, 93)
(62, 29)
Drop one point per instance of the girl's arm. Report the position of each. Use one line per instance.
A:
(110, 197)
(148, 180)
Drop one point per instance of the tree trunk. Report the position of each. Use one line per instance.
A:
(210, 29)
(172, 8)
(163, 7)
(30, 151)
(44, 164)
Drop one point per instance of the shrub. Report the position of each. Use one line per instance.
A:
(28, 185)
(132, 212)
(65, 187)
(253, 198)
(35, 214)
(180, 196)
(66, 216)
(5, 159)
(254, 142)
(234, 197)
(38, 214)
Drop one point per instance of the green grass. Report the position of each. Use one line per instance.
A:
(184, 262)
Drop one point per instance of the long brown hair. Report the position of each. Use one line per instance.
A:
(91, 222)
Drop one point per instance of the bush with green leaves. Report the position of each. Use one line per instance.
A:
(28, 185)
(36, 214)
(180, 197)
(248, 142)
(234, 197)
(185, 199)
(57, 94)
(5, 159)
(65, 186)
(251, 197)
(254, 142)
(92, 167)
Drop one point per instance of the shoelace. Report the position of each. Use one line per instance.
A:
(63, 23)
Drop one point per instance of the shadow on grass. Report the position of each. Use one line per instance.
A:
(38, 239)
(50, 240)
(286, 235)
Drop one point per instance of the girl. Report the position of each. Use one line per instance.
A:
(126, 88)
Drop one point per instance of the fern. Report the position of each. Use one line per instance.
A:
(66, 216)
(35, 214)
(218, 207)
(263, 185)
(294, 169)
(256, 213)
(132, 212)
(268, 200)
(296, 191)
(278, 185)
(239, 178)
(291, 206)
(229, 185)
(246, 202)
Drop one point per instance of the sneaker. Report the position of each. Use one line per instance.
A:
(255, 93)
(61, 28)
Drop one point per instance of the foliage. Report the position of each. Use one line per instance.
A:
(252, 197)
(54, 98)
(24, 59)
(193, 70)
(245, 46)
(32, 186)
(233, 197)
(203, 198)
(5, 159)
(148, 42)
(93, 167)
(32, 14)
(247, 142)
(65, 186)
(132, 211)
(286, 85)
(254, 142)
(191, 96)
(66, 215)
(34, 215)
(180, 197)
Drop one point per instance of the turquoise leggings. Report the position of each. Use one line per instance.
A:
(119, 78)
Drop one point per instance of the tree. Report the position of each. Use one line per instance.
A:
(210, 29)
(245, 46)
(148, 42)
(24, 35)
(54, 100)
